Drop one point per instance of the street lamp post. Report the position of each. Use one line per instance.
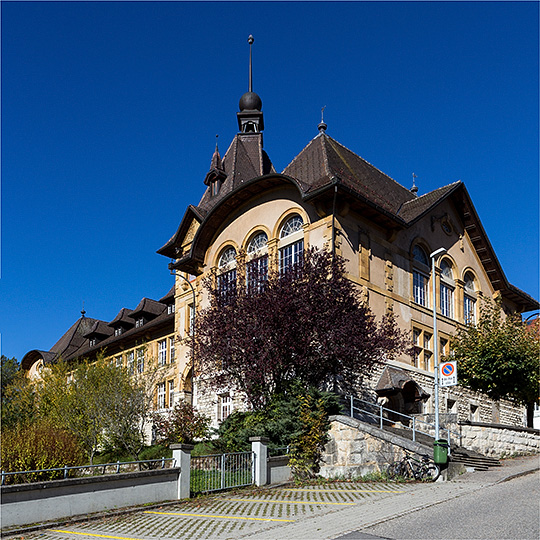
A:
(433, 256)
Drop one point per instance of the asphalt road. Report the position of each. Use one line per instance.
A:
(506, 511)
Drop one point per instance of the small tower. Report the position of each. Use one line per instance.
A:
(250, 117)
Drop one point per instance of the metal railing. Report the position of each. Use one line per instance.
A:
(383, 415)
(67, 472)
(278, 451)
(221, 471)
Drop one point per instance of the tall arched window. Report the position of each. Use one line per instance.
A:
(420, 276)
(257, 264)
(469, 299)
(226, 279)
(447, 289)
(291, 242)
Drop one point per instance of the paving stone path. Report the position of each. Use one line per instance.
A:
(247, 513)
(318, 512)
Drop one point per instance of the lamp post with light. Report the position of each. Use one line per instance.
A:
(433, 256)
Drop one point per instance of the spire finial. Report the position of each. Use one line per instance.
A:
(322, 126)
(250, 41)
(414, 188)
(83, 313)
(217, 136)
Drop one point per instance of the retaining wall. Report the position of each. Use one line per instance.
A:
(497, 440)
(357, 448)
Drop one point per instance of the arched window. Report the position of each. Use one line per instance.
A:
(420, 276)
(257, 264)
(226, 279)
(469, 299)
(291, 242)
(447, 289)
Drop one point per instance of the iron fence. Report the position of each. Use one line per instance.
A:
(221, 471)
(58, 473)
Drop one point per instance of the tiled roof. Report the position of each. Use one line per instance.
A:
(325, 160)
(123, 318)
(244, 160)
(416, 207)
(99, 329)
(150, 307)
(393, 379)
(169, 297)
(73, 339)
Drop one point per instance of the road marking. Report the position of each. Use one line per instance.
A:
(289, 502)
(346, 490)
(94, 534)
(216, 516)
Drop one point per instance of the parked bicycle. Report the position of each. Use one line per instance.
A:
(410, 467)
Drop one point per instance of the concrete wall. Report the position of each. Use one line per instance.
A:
(58, 499)
(278, 470)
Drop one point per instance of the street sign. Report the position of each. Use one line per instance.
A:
(448, 373)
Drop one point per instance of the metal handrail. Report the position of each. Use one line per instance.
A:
(412, 419)
(66, 468)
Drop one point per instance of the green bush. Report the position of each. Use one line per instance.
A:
(280, 421)
(182, 425)
(39, 446)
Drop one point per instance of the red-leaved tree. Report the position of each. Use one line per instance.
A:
(306, 324)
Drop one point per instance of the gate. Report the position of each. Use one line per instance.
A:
(221, 471)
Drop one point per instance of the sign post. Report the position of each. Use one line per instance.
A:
(448, 375)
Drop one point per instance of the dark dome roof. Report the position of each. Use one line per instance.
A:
(250, 101)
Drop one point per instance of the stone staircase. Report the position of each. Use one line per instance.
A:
(458, 454)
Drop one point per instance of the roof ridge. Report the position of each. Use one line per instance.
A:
(370, 164)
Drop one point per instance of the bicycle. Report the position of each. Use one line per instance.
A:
(410, 467)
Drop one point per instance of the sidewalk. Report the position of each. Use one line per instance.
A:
(341, 522)
(318, 512)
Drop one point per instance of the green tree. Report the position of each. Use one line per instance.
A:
(102, 404)
(182, 425)
(499, 356)
(18, 396)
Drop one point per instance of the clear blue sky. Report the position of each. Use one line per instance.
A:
(110, 111)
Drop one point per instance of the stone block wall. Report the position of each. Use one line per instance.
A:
(500, 441)
(353, 452)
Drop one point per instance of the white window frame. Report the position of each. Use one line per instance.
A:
(140, 360)
(172, 350)
(224, 406)
(161, 395)
(420, 288)
(291, 243)
(171, 393)
(162, 352)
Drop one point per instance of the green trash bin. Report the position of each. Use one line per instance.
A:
(440, 451)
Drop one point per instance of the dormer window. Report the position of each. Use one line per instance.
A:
(170, 309)
(118, 330)
(139, 322)
(214, 187)
(92, 342)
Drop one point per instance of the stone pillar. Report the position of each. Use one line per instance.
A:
(182, 459)
(259, 446)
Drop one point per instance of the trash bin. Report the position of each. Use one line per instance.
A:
(440, 451)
